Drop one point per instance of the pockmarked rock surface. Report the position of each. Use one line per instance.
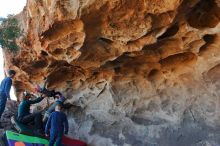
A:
(136, 72)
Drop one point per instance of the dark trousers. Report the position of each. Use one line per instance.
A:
(56, 138)
(35, 118)
(3, 101)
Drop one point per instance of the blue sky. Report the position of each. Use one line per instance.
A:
(9, 7)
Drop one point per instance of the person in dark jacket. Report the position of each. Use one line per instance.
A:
(24, 115)
(58, 125)
(5, 90)
(60, 100)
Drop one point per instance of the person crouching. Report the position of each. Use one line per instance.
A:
(24, 115)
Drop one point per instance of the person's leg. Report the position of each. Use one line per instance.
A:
(27, 119)
(59, 140)
(52, 140)
(47, 92)
(2, 108)
(38, 123)
(3, 101)
(53, 94)
(57, 93)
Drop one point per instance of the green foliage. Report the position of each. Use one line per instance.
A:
(9, 32)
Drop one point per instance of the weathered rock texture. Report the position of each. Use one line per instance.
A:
(10, 110)
(137, 72)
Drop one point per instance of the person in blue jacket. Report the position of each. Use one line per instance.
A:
(25, 117)
(5, 87)
(58, 125)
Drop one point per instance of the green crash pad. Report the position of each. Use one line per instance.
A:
(16, 139)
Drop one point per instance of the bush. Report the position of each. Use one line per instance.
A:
(9, 32)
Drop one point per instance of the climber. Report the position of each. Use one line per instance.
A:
(60, 100)
(24, 115)
(58, 125)
(5, 90)
(44, 90)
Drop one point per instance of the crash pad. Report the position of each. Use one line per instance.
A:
(16, 139)
(72, 142)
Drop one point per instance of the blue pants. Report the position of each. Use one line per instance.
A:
(3, 101)
(55, 138)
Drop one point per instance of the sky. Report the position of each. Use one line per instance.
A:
(9, 7)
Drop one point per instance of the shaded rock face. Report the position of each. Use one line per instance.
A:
(10, 110)
(136, 73)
